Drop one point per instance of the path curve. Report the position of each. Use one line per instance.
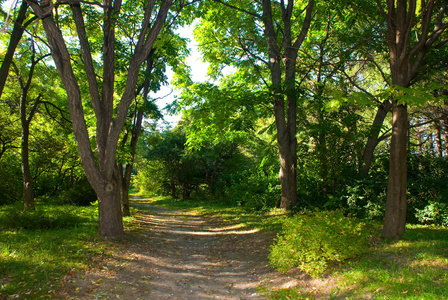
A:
(177, 254)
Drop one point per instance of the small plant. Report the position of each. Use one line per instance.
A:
(433, 213)
(310, 241)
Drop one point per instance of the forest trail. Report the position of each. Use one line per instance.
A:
(177, 254)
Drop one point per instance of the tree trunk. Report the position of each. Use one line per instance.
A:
(395, 219)
(14, 40)
(285, 117)
(109, 208)
(439, 138)
(125, 185)
(288, 178)
(404, 20)
(373, 139)
(173, 189)
(100, 169)
(28, 196)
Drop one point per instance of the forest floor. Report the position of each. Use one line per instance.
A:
(180, 254)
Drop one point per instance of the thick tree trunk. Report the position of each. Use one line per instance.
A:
(404, 19)
(395, 218)
(288, 179)
(373, 139)
(102, 173)
(109, 208)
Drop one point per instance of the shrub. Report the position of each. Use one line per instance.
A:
(310, 241)
(255, 189)
(81, 194)
(433, 213)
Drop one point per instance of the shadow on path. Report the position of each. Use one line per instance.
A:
(177, 254)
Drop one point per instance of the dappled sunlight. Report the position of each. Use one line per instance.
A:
(216, 232)
(183, 253)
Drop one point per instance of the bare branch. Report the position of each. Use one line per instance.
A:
(237, 8)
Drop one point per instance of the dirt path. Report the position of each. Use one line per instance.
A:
(179, 255)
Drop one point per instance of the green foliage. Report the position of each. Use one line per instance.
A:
(427, 190)
(10, 179)
(254, 189)
(312, 241)
(364, 196)
(433, 213)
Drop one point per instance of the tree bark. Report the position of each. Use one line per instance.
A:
(395, 218)
(126, 175)
(28, 196)
(109, 216)
(14, 40)
(373, 139)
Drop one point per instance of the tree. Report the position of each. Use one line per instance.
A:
(16, 35)
(101, 171)
(26, 116)
(169, 50)
(404, 20)
(265, 37)
(286, 123)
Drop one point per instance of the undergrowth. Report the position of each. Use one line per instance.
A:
(312, 241)
(39, 249)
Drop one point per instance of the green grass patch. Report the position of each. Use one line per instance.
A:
(38, 250)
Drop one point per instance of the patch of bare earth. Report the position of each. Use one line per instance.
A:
(177, 254)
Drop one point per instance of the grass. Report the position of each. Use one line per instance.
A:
(38, 250)
(415, 267)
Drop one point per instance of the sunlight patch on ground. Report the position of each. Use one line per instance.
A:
(227, 227)
(228, 232)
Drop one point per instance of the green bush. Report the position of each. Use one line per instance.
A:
(311, 241)
(254, 189)
(81, 194)
(433, 213)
